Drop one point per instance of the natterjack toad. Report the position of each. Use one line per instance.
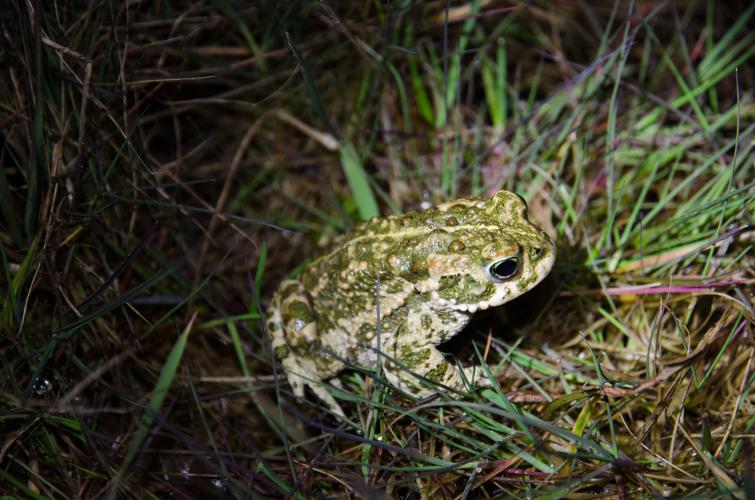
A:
(436, 268)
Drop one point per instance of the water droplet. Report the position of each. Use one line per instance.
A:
(41, 386)
(185, 471)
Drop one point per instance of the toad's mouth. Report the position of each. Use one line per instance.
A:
(504, 292)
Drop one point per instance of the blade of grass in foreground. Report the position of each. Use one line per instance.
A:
(155, 403)
(10, 480)
(236, 341)
(358, 183)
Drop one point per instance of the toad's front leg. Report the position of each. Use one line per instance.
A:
(412, 353)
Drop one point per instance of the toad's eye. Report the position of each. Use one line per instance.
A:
(505, 268)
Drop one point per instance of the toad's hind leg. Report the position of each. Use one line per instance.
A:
(299, 380)
(296, 342)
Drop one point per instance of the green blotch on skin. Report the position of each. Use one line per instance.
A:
(314, 351)
(436, 374)
(446, 316)
(302, 347)
(289, 288)
(412, 358)
(309, 280)
(300, 310)
(410, 386)
(394, 285)
(363, 253)
(427, 321)
(408, 220)
(282, 351)
(456, 246)
(325, 363)
(418, 266)
(323, 324)
(366, 331)
(358, 302)
(465, 289)
(392, 323)
(448, 286)
(525, 284)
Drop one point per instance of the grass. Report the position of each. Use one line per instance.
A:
(166, 165)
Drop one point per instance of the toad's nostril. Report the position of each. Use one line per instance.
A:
(537, 251)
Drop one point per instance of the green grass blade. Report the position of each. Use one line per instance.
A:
(10, 480)
(421, 99)
(9, 315)
(162, 386)
(401, 88)
(492, 95)
(7, 208)
(309, 83)
(722, 50)
(122, 299)
(37, 174)
(228, 9)
(358, 183)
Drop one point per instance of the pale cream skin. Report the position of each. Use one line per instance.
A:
(436, 269)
